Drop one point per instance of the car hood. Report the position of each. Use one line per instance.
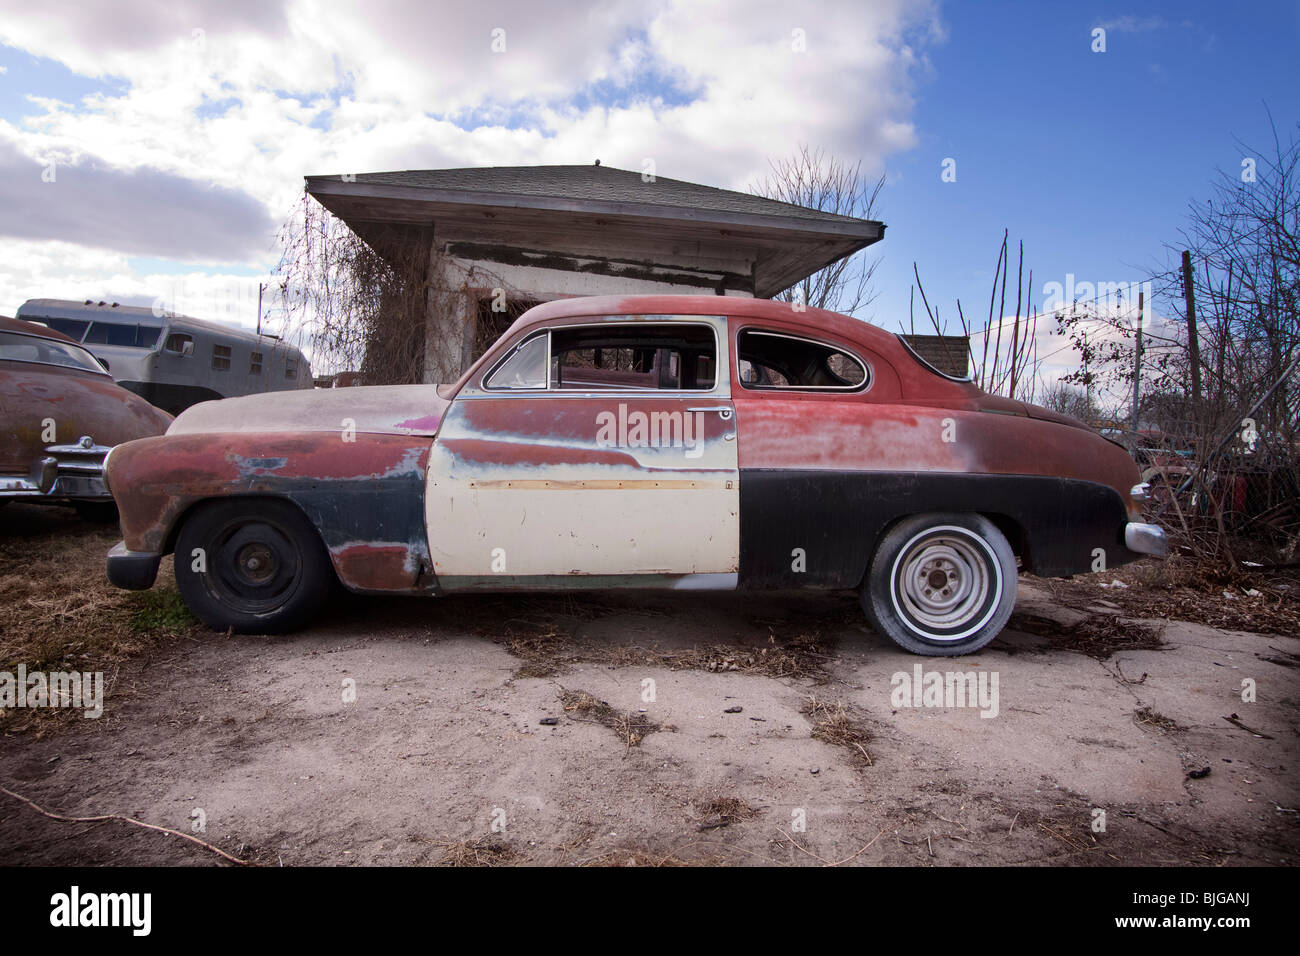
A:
(373, 409)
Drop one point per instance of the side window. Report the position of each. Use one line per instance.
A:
(291, 368)
(766, 360)
(255, 363)
(670, 356)
(180, 342)
(524, 368)
(221, 357)
(73, 328)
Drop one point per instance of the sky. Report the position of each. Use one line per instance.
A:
(150, 150)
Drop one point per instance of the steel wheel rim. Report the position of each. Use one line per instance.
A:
(254, 566)
(946, 583)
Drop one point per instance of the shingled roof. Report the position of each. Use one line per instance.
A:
(597, 183)
(787, 242)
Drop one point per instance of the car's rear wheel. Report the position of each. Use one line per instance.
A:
(941, 584)
(256, 565)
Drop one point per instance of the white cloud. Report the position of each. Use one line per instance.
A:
(309, 87)
(1132, 24)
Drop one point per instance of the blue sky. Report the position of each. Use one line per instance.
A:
(181, 133)
(1090, 158)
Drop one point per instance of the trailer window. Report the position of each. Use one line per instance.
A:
(290, 368)
(255, 363)
(221, 357)
(72, 328)
(180, 343)
(123, 335)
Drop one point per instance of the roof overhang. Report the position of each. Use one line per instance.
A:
(784, 249)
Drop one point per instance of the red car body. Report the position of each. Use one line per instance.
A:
(667, 441)
(61, 414)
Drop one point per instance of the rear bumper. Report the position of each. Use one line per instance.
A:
(132, 570)
(1146, 539)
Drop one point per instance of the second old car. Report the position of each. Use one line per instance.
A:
(60, 413)
(650, 442)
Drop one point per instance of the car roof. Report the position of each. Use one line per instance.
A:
(808, 320)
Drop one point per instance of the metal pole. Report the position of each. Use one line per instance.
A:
(1137, 363)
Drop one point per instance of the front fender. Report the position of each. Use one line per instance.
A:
(363, 493)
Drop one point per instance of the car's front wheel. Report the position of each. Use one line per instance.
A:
(941, 584)
(252, 564)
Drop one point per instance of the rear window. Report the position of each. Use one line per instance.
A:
(927, 366)
(30, 348)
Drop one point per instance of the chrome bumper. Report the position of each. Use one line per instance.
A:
(66, 471)
(1146, 539)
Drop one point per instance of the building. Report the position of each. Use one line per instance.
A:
(495, 241)
(948, 353)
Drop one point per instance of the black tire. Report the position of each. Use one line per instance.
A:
(266, 570)
(906, 600)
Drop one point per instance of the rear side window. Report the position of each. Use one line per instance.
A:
(774, 360)
(221, 357)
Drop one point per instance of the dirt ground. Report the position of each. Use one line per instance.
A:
(681, 729)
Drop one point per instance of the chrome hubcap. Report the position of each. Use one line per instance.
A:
(943, 584)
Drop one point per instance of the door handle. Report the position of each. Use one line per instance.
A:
(724, 411)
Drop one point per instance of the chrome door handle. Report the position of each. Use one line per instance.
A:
(724, 411)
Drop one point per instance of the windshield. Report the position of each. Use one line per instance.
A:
(15, 347)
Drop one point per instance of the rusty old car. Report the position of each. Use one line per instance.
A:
(62, 414)
(650, 442)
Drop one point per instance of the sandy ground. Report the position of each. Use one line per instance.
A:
(442, 756)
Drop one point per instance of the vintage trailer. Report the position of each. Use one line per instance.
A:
(60, 413)
(658, 441)
(174, 361)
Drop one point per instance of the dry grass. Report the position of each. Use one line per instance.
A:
(1099, 636)
(481, 852)
(1183, 589)
(834, 724)
(630, 728)
(718, 812)
(637, 857)
(57, 609)
(1146, 717)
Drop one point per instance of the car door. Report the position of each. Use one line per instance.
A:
(596, 453)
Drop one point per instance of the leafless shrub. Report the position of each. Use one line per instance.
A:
(365, 303)
(1003, 355)
(815, 180)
